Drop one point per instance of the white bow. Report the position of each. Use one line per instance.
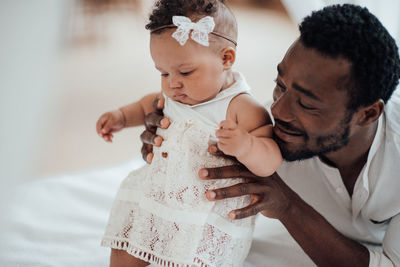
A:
(200, 29)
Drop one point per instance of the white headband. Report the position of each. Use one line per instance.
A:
(198, 31)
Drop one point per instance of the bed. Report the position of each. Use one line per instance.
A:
(59, 221)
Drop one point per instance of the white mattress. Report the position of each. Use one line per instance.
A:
(59, 221)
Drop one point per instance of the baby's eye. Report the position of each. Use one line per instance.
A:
(164, 74)
(186, 73)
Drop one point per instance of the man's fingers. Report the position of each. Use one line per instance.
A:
(150, 138)
(149, 158)
(245, 212)
(158, 104)
(147, 137)
(236, 190)
(154, 119)
(213, 150)
(232, 171)
(146, 150)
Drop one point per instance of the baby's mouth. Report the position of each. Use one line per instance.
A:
(181, 96)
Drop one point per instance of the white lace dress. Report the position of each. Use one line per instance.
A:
(161, 214)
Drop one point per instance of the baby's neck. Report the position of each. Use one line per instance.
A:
(229, 80)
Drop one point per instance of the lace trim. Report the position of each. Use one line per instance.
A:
(184, 216)
(146, 255)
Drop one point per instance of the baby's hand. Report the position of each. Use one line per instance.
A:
(233, 140)
(109, 123)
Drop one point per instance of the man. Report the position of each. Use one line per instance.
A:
(340, 137)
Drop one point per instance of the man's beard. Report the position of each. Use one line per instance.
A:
(324, 144)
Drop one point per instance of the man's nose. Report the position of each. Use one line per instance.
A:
(174, 82)
(282, 108)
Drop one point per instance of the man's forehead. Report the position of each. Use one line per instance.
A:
(311, 66)
(310, 56)
(314, 75)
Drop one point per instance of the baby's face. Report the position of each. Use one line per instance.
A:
(191, 73)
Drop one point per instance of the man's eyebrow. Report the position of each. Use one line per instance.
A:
(298, 87)
(305, 92)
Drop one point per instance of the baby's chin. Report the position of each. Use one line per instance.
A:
(184, 99)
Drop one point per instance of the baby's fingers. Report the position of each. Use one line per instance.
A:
(222, 147)
(228, 124)
(108, 137)
(224, 133)
(107, 127)
(100, 123)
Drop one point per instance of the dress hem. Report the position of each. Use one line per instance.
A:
(146, 255)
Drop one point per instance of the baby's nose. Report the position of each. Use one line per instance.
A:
(175, 83)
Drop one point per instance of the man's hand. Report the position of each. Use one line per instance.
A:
(269, 195)
(153, 121)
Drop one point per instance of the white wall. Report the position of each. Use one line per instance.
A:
(29, 32)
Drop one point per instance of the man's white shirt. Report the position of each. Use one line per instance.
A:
(372, 214)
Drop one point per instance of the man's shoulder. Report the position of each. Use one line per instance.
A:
(308, 169)
(392, 114)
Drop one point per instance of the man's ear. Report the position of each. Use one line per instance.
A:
(371, 113)
(228, 56)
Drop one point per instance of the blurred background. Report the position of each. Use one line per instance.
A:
(65, 62)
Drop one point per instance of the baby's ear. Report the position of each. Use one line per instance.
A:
(228, 55)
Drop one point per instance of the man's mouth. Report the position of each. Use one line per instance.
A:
(286, 135)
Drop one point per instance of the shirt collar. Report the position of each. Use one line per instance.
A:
(378, 140)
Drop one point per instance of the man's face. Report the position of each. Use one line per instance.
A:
(309, 108)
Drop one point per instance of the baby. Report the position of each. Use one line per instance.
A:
(160, 214)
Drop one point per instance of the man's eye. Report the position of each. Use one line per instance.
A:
(164, 74)
(278, 84)
(186, 73)
(304, 106)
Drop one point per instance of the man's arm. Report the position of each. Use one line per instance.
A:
(320, 240)
(273, 198)
(390, 245)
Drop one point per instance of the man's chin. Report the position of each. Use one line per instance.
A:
(298, 156)
(293, 154)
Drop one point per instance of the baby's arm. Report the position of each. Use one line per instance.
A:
(246, 134)
(126, 116)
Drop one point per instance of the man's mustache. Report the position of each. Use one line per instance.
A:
(288, 127)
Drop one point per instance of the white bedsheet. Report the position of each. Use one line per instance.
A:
(59, 221)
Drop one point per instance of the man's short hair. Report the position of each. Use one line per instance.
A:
(353, 33)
